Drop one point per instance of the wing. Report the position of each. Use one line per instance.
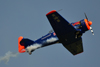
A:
(64, 31)
(76, 47)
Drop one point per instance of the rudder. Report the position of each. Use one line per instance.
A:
(23, 43)
(21, 48)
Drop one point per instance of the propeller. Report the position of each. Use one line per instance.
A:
(86, 16)
(89, 22)
(92, 30)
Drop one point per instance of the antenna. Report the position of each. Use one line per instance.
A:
(60, 10)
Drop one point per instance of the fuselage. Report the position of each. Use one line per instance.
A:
(51, 38)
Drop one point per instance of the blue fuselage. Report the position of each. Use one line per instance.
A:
(48, 39)
(51, 38)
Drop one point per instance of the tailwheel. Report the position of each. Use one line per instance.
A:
(30, 53)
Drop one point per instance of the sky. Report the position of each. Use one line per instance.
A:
(27, 18)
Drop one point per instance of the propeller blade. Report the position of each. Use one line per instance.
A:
(86, 16)
(92, 30)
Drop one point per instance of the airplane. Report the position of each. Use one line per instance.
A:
(68, 34)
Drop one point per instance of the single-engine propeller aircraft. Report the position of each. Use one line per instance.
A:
(69, 34)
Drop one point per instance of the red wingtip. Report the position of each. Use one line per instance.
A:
(51, 12)
(21, 48)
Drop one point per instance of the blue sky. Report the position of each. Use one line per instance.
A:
(27, 18)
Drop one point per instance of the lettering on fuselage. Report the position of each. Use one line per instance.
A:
(55, 17)
(45, 36)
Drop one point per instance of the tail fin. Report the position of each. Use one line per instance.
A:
(23, 43)
(21, 48)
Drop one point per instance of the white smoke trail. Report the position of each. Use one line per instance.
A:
(8, 55)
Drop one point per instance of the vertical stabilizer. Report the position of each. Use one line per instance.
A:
(21, 47)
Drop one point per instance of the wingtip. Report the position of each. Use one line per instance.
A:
(51, 12)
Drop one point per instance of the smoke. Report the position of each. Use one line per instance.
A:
(8, 55)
